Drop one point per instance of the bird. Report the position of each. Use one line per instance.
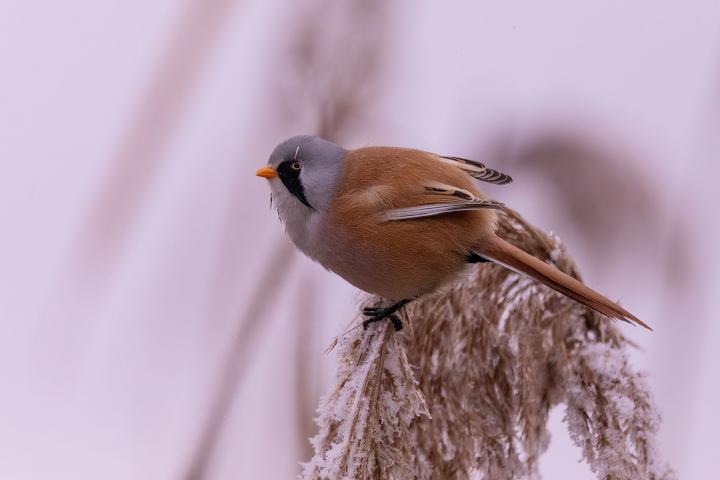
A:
(400, 222)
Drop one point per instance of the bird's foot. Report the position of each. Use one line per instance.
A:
(394, 319)
(379, 313)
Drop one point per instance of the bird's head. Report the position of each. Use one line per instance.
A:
(303, 172)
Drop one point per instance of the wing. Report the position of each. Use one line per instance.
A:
(478, 170)
(441, 199)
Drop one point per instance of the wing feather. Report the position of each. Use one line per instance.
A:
(478, 170)
(432, 209)
(449, 199)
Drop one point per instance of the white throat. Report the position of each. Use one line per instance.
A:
(301, 223)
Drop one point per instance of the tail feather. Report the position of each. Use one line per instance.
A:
(508, 255)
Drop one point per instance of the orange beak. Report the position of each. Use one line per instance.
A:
(266, 172)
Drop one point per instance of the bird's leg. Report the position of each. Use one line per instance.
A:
(379, 313)
(397, 323)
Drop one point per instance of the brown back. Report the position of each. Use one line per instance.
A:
(400, 259)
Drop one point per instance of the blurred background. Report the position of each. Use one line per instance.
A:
(155, 323)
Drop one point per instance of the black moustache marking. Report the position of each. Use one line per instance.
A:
(291, 179)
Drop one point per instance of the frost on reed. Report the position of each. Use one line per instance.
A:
(465, 389)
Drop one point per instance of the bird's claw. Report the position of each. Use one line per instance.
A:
(380, 313)
(396, 322)
(371, 311)
(394, 319)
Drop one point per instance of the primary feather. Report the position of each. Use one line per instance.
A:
(478, 170)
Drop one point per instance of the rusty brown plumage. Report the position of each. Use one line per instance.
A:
(400, 259)
(406, 258)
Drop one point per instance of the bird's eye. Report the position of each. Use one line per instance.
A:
(296, 165)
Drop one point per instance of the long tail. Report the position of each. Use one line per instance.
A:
(501, 252)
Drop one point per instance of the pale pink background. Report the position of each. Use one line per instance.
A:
(135, 235)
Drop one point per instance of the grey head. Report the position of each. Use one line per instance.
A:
(309, 169)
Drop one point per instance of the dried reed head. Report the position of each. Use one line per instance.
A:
(490, 356)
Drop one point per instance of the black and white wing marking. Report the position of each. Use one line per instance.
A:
(448, 199)
(478, 170)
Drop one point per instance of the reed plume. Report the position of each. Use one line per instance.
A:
(465, 389)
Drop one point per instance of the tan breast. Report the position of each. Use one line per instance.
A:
(406, 258)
